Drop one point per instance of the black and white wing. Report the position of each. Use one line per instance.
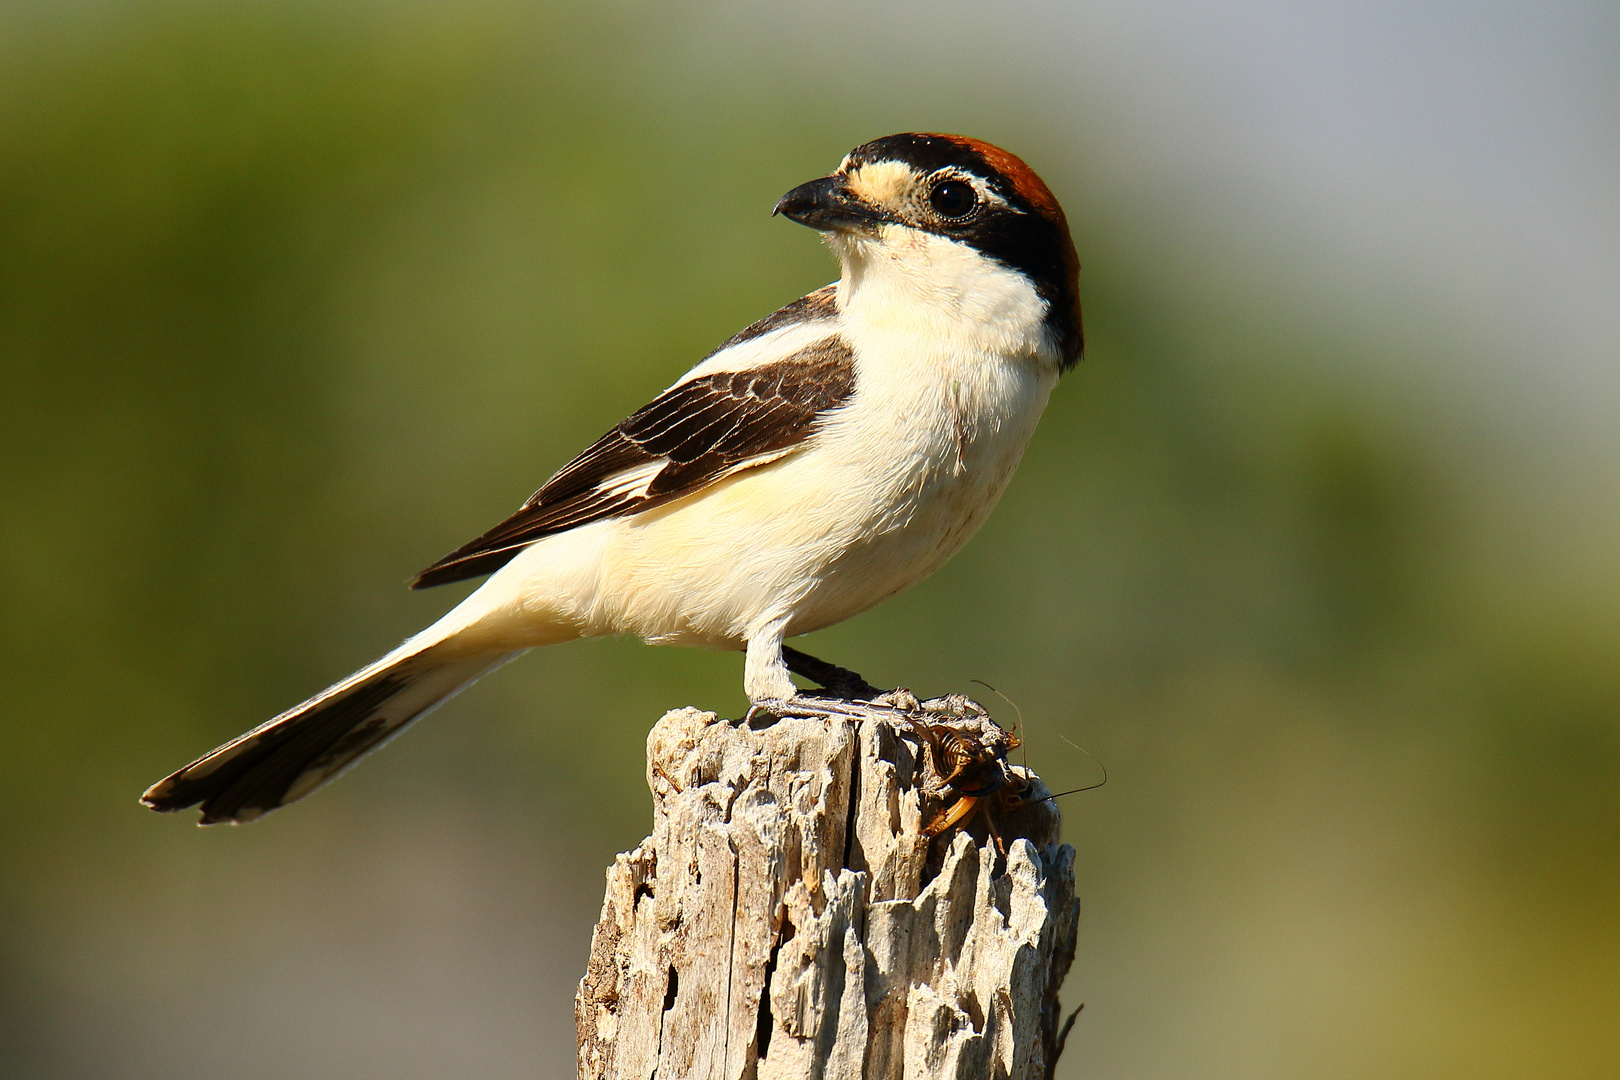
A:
(696, 433)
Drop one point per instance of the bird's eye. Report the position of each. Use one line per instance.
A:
(953, 199)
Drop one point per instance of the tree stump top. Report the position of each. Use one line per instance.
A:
(790, 916)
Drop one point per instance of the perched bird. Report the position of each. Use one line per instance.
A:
(816, 464)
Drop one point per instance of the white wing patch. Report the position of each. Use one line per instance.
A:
(632, 482)
(769, 348)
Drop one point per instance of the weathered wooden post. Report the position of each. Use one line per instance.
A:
(789, 916)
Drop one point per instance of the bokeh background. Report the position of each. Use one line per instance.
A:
(1316, 551)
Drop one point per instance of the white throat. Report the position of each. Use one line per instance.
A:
(927, 288)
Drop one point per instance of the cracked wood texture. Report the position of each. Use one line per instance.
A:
(788, 918)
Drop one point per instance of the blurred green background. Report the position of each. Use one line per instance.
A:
(1314, 551)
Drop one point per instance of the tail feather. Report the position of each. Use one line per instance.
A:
(283, 760)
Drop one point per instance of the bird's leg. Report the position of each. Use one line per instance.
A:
(765, 675)
(837, 681)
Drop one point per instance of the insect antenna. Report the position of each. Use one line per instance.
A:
(1023, 744)
(1088, 787)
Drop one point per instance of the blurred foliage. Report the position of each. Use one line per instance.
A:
(294, 298)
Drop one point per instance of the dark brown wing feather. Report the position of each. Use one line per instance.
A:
(703, 430)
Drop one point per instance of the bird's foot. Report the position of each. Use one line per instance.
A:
(899, 704)
(807, 706)
(900, 699)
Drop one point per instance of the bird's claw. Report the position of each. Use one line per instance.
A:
(808, 706)
(899, 699)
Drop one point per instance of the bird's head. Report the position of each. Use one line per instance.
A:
(953, 217)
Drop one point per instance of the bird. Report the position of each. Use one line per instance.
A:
(817, 463)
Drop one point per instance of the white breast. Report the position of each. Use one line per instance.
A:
(955, 369)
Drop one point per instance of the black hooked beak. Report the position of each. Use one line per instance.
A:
(826, 204)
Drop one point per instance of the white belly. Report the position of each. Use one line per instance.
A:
(891, 488)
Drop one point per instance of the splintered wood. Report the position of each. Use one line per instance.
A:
(789, 918)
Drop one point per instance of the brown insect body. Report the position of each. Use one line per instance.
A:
(977, 772)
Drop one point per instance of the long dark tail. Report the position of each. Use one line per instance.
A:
(286, 758)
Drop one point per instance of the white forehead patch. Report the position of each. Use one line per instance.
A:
(883, 183)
